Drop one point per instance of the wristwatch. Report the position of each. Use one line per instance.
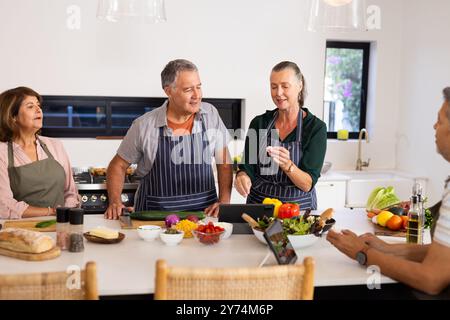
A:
(361, 257)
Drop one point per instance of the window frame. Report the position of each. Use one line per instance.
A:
(365, 46)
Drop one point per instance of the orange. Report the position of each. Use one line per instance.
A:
(395, 223)
(404, 222)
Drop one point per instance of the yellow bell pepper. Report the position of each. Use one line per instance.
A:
(276, 205)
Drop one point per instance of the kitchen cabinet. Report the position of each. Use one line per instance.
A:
(330, 194)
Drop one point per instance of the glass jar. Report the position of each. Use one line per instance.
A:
(76, 242)
(62, 228)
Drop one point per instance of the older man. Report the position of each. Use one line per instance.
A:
(173, 146)
(423, 267)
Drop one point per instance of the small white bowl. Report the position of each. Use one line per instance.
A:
(259, 235)
(228, 229)
(302, 241)
(171, 239)
(149, 233)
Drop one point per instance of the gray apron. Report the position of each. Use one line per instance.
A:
(277, 184)
(39, 184)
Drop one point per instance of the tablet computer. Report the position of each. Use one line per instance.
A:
(279, 243)
(233, 213)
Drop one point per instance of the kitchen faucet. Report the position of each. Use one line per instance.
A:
(359, 163)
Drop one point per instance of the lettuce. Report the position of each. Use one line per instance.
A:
(382, 198)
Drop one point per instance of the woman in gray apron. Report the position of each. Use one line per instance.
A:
(291, 145)
(38, 183)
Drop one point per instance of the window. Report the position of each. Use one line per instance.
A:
(346, 81)
(84, 116)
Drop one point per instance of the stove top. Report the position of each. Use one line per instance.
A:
(85, 180)
(93, 192)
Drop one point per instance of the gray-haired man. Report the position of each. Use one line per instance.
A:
(173, 146)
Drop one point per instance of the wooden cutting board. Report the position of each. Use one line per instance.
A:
(47, 255)
(380, 231)
(138, 223)
(29, 225)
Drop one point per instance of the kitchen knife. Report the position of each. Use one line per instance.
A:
(125, 218)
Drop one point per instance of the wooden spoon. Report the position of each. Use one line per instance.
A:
(252, 222)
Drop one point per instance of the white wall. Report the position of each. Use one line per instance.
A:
(235, 43)
(425, 72)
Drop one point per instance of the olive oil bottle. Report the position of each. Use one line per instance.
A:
(414, 232)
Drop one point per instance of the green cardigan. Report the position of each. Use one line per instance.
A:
(314, 144)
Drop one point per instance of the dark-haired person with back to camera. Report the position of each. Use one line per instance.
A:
(35, 172)
(422, 267)
(285, 147)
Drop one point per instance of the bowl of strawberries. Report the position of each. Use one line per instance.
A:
(209, 233)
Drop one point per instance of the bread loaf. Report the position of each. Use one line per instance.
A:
(22, 240)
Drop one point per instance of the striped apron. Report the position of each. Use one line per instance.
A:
(180, 179)
(277, 184)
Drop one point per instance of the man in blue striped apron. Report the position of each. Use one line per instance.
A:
(173, 146)
(291, 145)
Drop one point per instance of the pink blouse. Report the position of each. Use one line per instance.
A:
(10, 208)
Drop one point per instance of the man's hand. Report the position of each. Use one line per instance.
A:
(213, 210)
(243, 183)
(347, 242)
(114, 211)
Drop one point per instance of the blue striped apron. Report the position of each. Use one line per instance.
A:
(277, 184)
(184, 185)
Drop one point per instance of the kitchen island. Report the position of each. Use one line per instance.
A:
(128, 267)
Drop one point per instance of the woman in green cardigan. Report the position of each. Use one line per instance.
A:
(285, 148)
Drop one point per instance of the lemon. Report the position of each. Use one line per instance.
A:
(383, 217)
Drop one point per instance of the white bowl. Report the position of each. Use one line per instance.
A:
(148, 233)
(259, 235)
(171, 239)
(302, 241)
(228, 229)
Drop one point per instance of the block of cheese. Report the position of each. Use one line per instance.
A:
(104, 233)
(22, 240)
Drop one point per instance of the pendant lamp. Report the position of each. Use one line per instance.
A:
(337, 15)
(147, 11)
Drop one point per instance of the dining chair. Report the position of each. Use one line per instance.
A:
(280, 282)
(80, 285)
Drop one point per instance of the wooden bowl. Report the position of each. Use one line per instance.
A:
(95, 239)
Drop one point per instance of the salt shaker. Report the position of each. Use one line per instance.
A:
(62, 228)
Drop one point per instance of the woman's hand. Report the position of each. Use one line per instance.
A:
(243, 183)
(281, 156)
